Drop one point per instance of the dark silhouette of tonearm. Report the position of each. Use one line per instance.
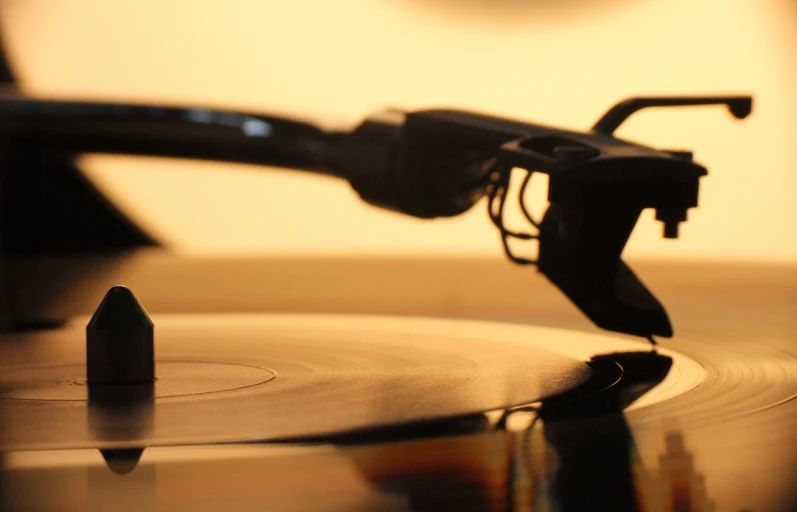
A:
(427, 164)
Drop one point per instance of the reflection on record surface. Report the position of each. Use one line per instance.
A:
(566, 455)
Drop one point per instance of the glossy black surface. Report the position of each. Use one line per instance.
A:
(164, 131)
(580, 459)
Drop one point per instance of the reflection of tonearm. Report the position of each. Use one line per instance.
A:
(427, 164)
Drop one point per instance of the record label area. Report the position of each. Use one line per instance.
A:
(174, 379)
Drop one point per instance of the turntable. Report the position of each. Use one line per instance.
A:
(131, 379)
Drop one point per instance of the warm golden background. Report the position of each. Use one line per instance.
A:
(561, 62)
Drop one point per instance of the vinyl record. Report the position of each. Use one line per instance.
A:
(275, 377)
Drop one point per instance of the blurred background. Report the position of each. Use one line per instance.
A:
(554, 61)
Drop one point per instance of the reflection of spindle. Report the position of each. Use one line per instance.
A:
(120, 372)
(122, 460)
(108, 490)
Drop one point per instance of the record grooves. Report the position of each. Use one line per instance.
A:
(616, 386)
